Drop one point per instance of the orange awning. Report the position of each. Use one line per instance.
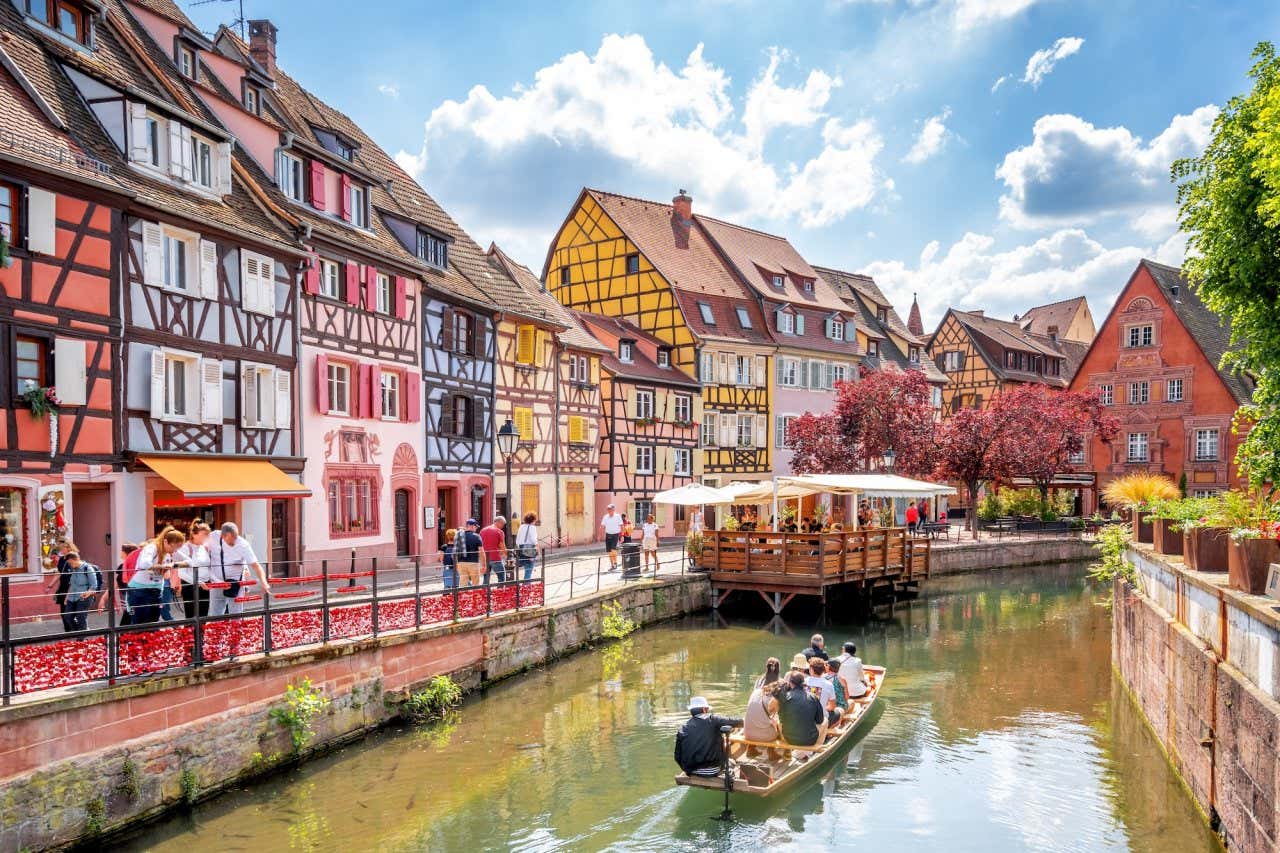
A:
(203, 478)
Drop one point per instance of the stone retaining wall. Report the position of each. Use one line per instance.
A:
(1207, 693)
(990, 553)
(93, 762)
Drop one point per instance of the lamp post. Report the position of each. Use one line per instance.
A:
(508, 441)
(886, 461)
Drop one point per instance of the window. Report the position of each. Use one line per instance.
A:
(1204, 493)
(882, 314)
(257, 283)
(1106, 394)
(30, 361)
(179, 387)
(1139, 392)
(873, 349)
(433, 250)
(708, 371)
(644, 459)
(289, 177)
(252, 99)
(526, 344)
(460, 408)
(744, 319)
(664, 357)
(1076, 457)
(461, 331)
(257, 396)
(788, 372)
(626, 351)
(564, 276)
(743, 369)
(1138, 447)
(808, 285)
(357, 198)
(577, 429)
(684, 409)
(352, 508)
(10, 219)
(575, 498)
(579, 369)
(837, 329)
(390, 396)
(385, 294)
(641, 510)
(779, 281)
(781, 424)
(951, 360)
(70, 21)
(1141, 336)
(187, 62)
(201, 162)
(343, 150)
(837, 372)
(707, 317)
(523, 418)
(1173, 391)
(935, 397)
(633, 264)
(709, 429)
(682, 459)
(1206, 445)
(913, 355)
(330, 285)
(786, 323)
(175, 261)
(13, 520)
(644, 404)
(746, 430)
(339, 378)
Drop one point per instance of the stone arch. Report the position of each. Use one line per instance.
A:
(406, 475)
(1140, 303)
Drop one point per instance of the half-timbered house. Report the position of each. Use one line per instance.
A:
(549, 386)
(652, 264)
(650, 414)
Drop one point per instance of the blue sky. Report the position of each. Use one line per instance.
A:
(871, 133)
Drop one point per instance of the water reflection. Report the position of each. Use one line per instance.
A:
(1001, 729)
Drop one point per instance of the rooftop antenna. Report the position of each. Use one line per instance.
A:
(238, 22)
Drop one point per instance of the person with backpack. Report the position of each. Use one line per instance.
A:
(193, 570)
(151, 574)
(83, 582)
(230, 559)
(59, 587)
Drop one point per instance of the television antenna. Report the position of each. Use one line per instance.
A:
(238, 22)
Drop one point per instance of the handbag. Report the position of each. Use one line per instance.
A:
(234, 589)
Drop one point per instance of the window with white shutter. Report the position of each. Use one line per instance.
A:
(709, 429)
(208, 269)
(762, 431)
(257, 396)
(284, 398)
(257, 283)
(210, 391)
(182, 387)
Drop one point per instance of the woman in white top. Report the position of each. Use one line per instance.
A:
(527, 544)
(152, 574)
(193, 569)
(649, 542)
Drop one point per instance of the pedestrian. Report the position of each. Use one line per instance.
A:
(83, 582)
(627, 529)
(649, 542)
(924, 511)
(124, 570)
(193, 570)
(151, 575)
(695, 521)
(912, 516)
(449, 574)
(466, 553)
(231, 558)
(611, 524)
(494, 539)
(58, 584)
(527, 544)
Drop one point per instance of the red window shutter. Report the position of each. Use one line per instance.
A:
(371, 288)
(363, 409)
(412, 392)
(353, 283)
(375, 391)
(311, 280)
(316, 169)
(322, 383)
(344, 197)
(402, 304)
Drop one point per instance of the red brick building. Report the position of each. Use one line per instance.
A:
(1155, 362)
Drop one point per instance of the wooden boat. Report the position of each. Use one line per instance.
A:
(767, 767)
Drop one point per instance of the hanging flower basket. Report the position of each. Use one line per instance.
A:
(6, 260)
(44, 403)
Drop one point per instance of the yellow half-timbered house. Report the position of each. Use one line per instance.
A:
(654, 265)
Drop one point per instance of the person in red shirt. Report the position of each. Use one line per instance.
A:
(913, 517)
(494, 539)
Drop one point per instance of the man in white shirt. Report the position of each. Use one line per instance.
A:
(851, 669)
(611, 524)
(822, 689)
(230, 559)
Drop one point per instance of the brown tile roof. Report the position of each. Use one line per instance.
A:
(689, 263)
(850, 284)
(1009, 335)
(757, 256)
(166, 9)
(641, 367)
(538, 303)
(1206, 327)
(1041, 318)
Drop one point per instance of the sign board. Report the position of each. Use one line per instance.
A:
(428, 517)
(1273, 581)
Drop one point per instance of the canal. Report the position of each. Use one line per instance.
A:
(1000, 728)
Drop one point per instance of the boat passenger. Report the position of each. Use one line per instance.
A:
(760, 722)
(851, 669)
(800, 715)
(817, 648)
(822, 689)
(838, 682)
(699, 743)
(772, 672)
(800, 663)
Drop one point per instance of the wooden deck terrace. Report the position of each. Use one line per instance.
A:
(781, 566)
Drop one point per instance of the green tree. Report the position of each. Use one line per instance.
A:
(1229, 206)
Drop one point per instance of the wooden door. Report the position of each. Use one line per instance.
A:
(402, 522)
(91, 519)
(279, 537)
(446, 511)
(530, 494)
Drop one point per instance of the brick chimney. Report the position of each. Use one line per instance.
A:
(262, 45)
(980, 312)
(682, 204)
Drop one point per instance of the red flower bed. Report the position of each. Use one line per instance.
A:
(232, 637)
(155, 649)
(437, 608)
(301, 628)
(50, 665)
(394, 615)
(353, 621)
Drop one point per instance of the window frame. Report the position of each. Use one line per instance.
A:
(325, 266)
(358, 202)
(837, 328)
(708, 315)
(664, 357)
(741, 362)
(252, 100)
(190, 387)
(43, 359)
(951, 360)
(786, 323)
(644, 401)
(632, 264)
(185, 53)
(682, 462)
(1107, 394)
(790, 370)
(1139, 440)
(338, 378)
(17, 208)
(390, 394)
(1139, 392)
(1140, 335)
(1205, 432)
(746, 433)
(202, 163)
(463, 332)
(266, 386)
(189, 261)
(744, 317)
(292, 180)
(355, 502)
(707, 436)
(873, 348)
(1168, 391)
(683, 408)
(384, 294)
(626, 351)
(643, 452)
(432, 250)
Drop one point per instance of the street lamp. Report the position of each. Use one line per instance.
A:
(508, 442)
(886, 461)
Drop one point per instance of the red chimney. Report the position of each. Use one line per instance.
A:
(262, 45)
(682, 204)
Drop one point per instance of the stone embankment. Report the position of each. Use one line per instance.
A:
(1202, 662)
(990, 553)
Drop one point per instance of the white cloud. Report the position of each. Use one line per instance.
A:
(973, 274)
(625, 120)
(933, 137)
(1042, 62)
(973, 13)
(1074, 173)
(1000, 81)
(389, 89)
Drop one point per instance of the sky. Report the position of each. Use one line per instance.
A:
(993, 154)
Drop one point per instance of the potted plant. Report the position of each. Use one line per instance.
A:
(693, 545)
(1166, 526)
(1136, 492)
(1205, 535)
(1255, 540)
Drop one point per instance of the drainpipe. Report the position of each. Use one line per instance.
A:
(555, 433)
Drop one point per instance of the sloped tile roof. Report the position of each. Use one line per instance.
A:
(915, 325)
(1041, 318)
(641, 367)
(849, 284)
(166, 9)
(538, 302)
(985, 332)
(1206, 327)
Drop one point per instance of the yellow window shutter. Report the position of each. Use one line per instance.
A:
(697, 409)
(524, 424)
(631, 402)
(577, 429)
(524, 344)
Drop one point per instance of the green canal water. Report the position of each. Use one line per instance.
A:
(1000, 728)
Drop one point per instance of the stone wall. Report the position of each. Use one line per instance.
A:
(93, 762)
(991, 553)
(1207, 693)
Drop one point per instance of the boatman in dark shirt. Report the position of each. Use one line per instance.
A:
(804, 721)
(817, 648)
(699, 743)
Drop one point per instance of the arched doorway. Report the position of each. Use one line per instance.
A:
(402, 513)
(405, 483)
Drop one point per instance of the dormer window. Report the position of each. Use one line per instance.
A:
(873, 349)
(664, 357)
(344, 150)
(744, 319)
(202, 162)
(187, 62)
(252, 100)
(159, 144)
(882, 314)
(786, 322)
(626, 351)
(707, 316)
(835, 328)
(808, 285)
(913, 354)
(358, 198)
(434, 250)
(66, 17)
(779, 282)
(289, 176)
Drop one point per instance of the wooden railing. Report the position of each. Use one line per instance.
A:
(816, 558)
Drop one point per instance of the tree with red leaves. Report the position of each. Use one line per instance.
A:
(974, 447)
(885, 409)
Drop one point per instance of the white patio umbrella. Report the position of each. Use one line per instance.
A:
(693, 494)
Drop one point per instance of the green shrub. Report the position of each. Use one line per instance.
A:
(615, 624)
(1112, 543)
(431, 703)
(989, 508)
(303, 702)
(189, 785)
